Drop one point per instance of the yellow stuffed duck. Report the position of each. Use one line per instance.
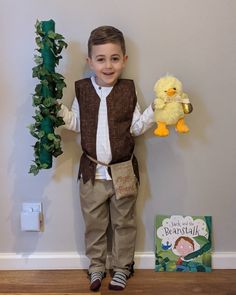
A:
(170, 105)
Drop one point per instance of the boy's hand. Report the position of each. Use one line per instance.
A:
(62, 112)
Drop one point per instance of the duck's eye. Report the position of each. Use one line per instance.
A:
(174, 88)
(165, 91)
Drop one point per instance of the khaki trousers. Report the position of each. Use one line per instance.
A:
(99, 207)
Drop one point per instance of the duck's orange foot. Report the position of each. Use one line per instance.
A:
(161, 130)
(181, 126)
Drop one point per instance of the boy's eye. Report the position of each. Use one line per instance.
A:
(115, 58)
(100, 59)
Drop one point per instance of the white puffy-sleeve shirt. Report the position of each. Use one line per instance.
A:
(140, 123)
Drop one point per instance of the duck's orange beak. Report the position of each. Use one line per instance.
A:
(171, 91)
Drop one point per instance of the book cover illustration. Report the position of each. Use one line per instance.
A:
(183, 243)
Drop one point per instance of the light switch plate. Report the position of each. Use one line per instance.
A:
(32, 207)
(31, 217)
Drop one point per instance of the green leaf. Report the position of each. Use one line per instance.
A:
(38, 27)
(44, 82)
(43, 71)
(39, 42)
(51, 136)
(57, 76)
(48, 101)
(57, 152)
(201, 240)
(59, 37)
(60, 85)
(45, 111)
(59, 122)
(57, 141)
(38, 59)
(44, 166)
(37, 100)
(34, 134)
(38, 89)
(48, 147)
(31, 127)
(37, 24)
(51, 35)
(38, 118)
(37, 146)
(41, 133)
(34, 169)
(35, 73)
(62, 44)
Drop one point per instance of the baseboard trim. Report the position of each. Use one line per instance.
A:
(73, 260)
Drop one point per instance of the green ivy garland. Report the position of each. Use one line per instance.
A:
(47, 92)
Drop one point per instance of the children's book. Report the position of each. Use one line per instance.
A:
(183, 243)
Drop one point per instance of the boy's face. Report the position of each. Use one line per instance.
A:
(184, 247)
(107, 61)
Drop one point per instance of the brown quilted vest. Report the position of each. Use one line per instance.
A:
(121, 103)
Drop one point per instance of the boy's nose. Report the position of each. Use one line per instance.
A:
(108, 64)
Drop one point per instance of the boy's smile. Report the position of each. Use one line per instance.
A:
(107, 61)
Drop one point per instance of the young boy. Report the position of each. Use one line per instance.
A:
(107, 114)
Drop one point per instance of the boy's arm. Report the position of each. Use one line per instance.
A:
(71, 118)
(142, 122)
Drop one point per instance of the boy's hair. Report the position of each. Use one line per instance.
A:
(106, 34)
(187, 239)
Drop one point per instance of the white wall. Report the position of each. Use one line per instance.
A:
(182, 174)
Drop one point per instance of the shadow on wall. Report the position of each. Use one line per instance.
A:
(73, 67)
(200, 119)
(132, 72)
(174, 185)
(169, 183)
(29, 188)
(73, 71)
(144, 194)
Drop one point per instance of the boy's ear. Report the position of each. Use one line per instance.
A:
(89, 62)
(125, 58)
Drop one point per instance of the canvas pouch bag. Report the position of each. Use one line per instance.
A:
(123, 177)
